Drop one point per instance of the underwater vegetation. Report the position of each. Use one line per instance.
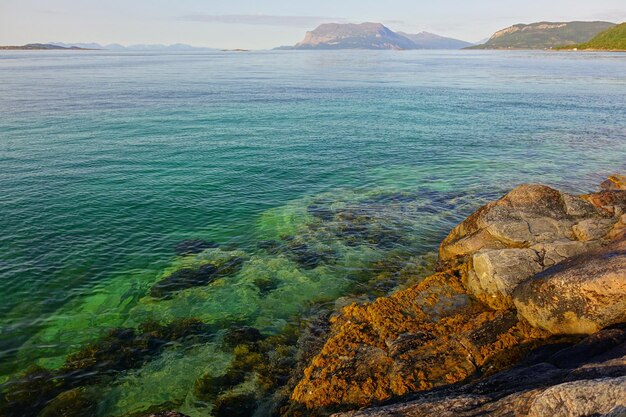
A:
(218, 332)
(41, 390)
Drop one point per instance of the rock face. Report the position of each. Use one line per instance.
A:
(580, 295)
(524, 276)
(585, 379)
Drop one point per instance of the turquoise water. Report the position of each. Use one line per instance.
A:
(309, 170)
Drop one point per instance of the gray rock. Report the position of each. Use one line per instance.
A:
(496, 273)
(529, 215)
(554, 252)
(580, 398)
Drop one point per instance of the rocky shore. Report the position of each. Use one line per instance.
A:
(526, 318)
(522, 314)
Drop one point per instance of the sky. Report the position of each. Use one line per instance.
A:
(262, 24)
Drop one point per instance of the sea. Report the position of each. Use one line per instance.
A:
(254, 191)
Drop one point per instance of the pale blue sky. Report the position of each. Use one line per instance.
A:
(269, 23)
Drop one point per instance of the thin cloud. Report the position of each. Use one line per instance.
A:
(262, 20)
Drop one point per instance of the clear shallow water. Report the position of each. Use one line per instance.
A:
(311, 169)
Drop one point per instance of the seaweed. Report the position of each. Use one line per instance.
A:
(121, 349)
(194, 277)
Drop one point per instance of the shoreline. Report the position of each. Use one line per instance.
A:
(511, 294)
(509, 300)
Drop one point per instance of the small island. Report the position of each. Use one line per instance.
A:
(42, 47)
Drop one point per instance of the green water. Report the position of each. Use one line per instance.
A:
(323, 175)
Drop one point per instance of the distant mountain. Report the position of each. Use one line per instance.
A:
(140, 47)
(353, 36)
(613, 39)
(426, 40)
(544, 35)
(42, 47)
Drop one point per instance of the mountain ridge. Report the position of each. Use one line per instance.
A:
(427, 40)
(544, 35)
(42, 47)
(371, 35)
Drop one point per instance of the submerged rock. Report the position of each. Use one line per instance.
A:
(242, 335)
(194, 277)
(308, 257)
(193, 246)
(235, 405)
(122, 349)
(614, 182)
(77, 402)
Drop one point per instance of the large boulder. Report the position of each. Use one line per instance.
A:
(528, 230)
(578, 296)
(528, 215)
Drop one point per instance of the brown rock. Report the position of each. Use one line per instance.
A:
(584, 379)
(528, 215)
(614, 182)
(592, 229)
(554, 252)
(426, 336)
(612, 202)
(578, 296)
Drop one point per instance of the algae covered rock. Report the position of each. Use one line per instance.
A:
(578, 296)
(430, 335)
(614, 182)
(561, 378)
(195, 277)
